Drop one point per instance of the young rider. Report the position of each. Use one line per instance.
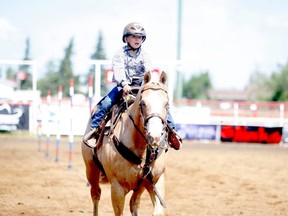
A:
(128, 62)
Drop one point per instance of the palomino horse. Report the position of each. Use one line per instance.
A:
(133, 154)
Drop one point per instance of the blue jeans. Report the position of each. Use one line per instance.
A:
(112, 98)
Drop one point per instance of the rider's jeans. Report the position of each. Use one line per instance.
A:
(113, 97)
(105, 105)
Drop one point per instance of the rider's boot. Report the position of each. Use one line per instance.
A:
(174, 139)
(90, 139)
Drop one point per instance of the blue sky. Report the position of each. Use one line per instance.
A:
(229, 38)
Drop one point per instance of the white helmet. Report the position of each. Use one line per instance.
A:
(134, 29)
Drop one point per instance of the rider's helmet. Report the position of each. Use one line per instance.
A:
(134, 28)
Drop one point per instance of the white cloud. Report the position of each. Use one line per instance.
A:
(6, 28)
(278, 20)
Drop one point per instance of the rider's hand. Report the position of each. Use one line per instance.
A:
(126, 89)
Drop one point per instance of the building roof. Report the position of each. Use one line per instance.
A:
(228, 94)
(8, 83)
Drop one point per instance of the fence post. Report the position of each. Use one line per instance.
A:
(282, 114)
(58, 136)
(90, 92)
(39, 127)
(48, 123)
(71, 138)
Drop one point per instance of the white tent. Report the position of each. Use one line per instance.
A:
(6, 89)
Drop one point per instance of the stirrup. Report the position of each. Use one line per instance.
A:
(174, 139)
(90, 139)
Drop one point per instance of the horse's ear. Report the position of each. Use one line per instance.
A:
(163, 77)
(147, 77)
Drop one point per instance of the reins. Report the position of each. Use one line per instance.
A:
(137, 128)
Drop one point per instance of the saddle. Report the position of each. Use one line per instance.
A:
(112, 117)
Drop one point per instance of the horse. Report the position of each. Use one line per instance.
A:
(133, 154)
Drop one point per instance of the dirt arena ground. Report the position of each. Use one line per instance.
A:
(202, 179)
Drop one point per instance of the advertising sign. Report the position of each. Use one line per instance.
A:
(14, 117)
(197, 132)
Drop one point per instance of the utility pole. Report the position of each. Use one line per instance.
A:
(179, 85)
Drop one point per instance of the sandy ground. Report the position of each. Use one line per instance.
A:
(202, 179)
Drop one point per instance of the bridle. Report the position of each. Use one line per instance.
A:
(163, 118)
(155, 87)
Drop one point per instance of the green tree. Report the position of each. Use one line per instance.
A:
(10, 73)
(54, 77)
(258, 87)
(197, 86)
(279, 84)
(269, 88)
(66, 71)
(24, 77)
(50, 81)
(99, 54)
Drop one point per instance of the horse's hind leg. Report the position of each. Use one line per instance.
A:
(92, 174)
(135, 201)
(95, 189)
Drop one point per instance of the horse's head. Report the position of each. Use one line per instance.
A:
(154, 105)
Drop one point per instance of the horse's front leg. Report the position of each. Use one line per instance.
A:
(160, 186)
(118, 197)
(135, 201)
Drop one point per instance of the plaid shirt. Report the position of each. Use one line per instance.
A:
(125, 66)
